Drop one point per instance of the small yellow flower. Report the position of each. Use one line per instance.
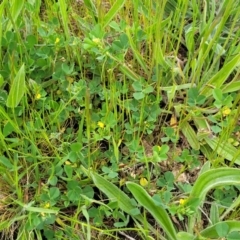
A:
(57, 40)
(96, 40)
(47, 205)
(100, 124)
(143, 182)
(182, 201)
(38, 96)
(68, 163)
(226, 111)
(122, 182)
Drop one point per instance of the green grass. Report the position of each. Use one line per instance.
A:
(119, 119)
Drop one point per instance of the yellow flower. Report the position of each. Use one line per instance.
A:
(47, 205)
(57, 40)
(226, 111)
(100, 124)
(68, 163)
(182, 201)
(143, 182)
(122, 182)
(96, 40)
(38, 96)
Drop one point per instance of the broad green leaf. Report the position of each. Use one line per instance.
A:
(54, 192)
(15, 10)
(75, 147)
(184, 236)
(214, 213)
(224, 149)
(148, 89)
(222, 229)
(27, 207)
(7, 129)
(138, 95)
(209, 180)
(217, 94)
(17, 89)
(159, 213)
(214, 178)
(213, 231)
(189, 36)
(113, 193)
(118, 4)
(5, 116)
(206, 166)
(232, 87)
(194, 98)
(191, 136)
(235, 235)
(221, 76)
(5, 161)
(138, 86)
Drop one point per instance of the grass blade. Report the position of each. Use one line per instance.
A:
(63, 10)
(2, 5)
(232, 87)
(27, 207)
(218, 79)
(136, 53)
(112, 12)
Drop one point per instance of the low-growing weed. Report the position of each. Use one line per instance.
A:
(119, 119)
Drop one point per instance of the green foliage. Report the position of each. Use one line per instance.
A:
(96, 96)
(158, 212)
(17, 89)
